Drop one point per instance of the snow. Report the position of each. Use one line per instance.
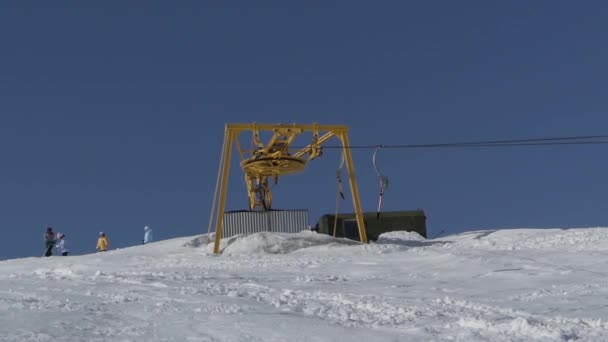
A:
(493, 285)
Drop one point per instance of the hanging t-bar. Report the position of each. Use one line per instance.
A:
(383, 182)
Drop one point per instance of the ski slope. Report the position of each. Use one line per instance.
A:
(505, 285)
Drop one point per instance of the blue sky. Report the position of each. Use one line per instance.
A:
(112, 113)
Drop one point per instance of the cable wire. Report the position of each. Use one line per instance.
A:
(553, 141)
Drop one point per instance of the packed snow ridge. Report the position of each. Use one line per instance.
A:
(503, 285)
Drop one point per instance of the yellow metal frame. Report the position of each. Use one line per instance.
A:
(273, 159)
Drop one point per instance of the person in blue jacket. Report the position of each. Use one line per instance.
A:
(147, 235)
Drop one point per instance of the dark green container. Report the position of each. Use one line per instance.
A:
(388, 221)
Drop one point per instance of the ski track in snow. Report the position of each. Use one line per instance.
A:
(511, 285)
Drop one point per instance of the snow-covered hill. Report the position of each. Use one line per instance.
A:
(505, 285)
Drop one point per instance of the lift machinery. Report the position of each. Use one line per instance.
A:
(264, 163)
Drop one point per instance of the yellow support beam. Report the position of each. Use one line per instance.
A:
(271, 127)
(354, 189)
(308, 148)
(221, 207)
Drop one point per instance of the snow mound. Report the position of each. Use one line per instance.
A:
(278, 243)
(399, 237)
(197, 241)
(577, 239)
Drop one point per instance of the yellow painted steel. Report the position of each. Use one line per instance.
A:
(220, 209)
(275, 159)
(353, 186)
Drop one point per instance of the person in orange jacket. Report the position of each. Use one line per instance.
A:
(102, 242)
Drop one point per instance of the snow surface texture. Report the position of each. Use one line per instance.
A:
(506, 285)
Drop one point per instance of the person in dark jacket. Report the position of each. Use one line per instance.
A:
(49, 241)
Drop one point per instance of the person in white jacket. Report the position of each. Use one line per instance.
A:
(62, 245)
(147, 235)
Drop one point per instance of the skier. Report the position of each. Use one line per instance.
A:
(49, 241)
(62, 244)
(147, 235)
(102, 242)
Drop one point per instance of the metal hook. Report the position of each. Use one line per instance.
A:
(383, 181)
(383, 178)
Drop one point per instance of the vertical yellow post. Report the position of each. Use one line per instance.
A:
(353, 186)
(225, 173)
